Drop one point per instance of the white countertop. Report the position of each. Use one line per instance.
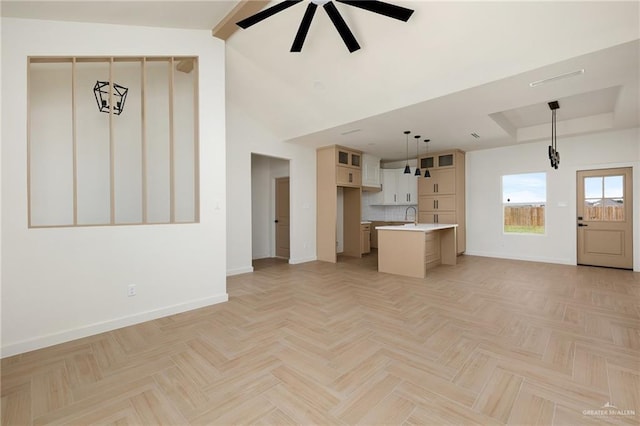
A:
(420, 227)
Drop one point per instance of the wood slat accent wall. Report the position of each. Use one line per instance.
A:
(172, 63)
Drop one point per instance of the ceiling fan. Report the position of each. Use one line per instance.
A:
(380, 7)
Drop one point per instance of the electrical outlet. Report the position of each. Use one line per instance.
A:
(131, 290)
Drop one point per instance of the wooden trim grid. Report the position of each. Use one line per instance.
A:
(172, 62)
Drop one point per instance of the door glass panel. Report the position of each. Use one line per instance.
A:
(593, 209)
(613, 186)
(613, 209)
(355, 160)
(343, 157)
(604, 200)
(593, 187)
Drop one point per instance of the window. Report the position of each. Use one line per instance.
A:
(112, 141)
(603, 198)
(524, 197)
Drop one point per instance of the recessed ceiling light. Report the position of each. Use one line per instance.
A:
(557, 77)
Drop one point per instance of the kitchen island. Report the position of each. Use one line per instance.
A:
(411, 249)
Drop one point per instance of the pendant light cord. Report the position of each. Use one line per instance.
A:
(554, 138)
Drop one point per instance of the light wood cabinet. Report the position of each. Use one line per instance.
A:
(365, 237)
(441, 198)
(348, 176)
(431, 249)
(348, 157)
(337, 166)
(442, 181)
(439, 160)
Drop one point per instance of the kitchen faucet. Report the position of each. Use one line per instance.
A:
(415, 214)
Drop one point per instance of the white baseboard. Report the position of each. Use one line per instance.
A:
(104, 326)
(542, 259)
(239, 271)
(302, 260)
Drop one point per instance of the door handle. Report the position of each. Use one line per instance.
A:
(582, 224)
(276, 221)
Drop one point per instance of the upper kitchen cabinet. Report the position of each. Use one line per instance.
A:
(348, 157)
(399, 188)
(442, 196)
(348, 167)
(440, 160)
(370, 173)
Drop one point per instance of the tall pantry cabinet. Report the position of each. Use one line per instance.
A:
(441, 198)
(338, 166)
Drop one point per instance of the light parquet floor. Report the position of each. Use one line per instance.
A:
(487, 341)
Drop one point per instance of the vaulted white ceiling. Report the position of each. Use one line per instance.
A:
(453, 69)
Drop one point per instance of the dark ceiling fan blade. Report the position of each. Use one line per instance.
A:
(386, 9)
(304, 28)
(264, 14)
(341, 26)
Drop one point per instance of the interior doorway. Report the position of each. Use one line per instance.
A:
(269, 217)
(605, 217)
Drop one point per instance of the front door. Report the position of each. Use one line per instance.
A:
(605, 218)
(282, 217)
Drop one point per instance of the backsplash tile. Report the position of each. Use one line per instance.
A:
(385, 213)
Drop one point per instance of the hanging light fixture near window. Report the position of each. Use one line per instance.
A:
(407, 169)
(426, 169)
(103, 97)
(417, 173)
(554, 155)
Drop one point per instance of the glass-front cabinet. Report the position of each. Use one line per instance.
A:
(438, 161)
(348, 158)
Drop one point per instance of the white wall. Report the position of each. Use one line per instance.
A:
(63, 283)
(264, 171)
(484, 194)
(244, 137)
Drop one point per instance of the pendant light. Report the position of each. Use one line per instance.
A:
(426, 169)
(554, 155)
(417, 173)
(407, 169)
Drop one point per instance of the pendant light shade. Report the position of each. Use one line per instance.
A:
(407, 169)
(417, 173)
(426, 170)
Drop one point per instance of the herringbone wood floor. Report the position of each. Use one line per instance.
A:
(485, 342)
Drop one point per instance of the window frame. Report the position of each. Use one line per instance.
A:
(544, 204)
